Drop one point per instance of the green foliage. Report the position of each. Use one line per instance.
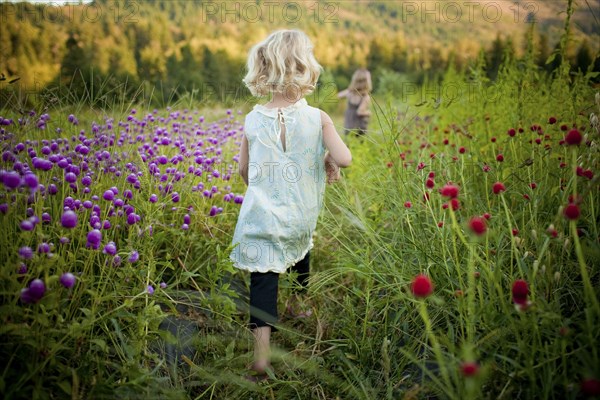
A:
(192, 49)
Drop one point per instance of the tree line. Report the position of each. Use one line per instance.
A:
(162, 51)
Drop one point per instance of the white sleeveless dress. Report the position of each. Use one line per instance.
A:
(285, 188)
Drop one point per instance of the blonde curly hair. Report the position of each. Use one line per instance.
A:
(281, 62)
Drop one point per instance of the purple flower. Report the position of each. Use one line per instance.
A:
(117, 260)
(37, 288)
(94, 237)
(70, 177)
(26, 252)
(175, 197)
(27, 225)
(213, 211)
(31, 180)
(131, 178)
(46, 218)
(150, 289)
(110, 249)
(238, 199)
(185, 227)
(132, 219)
(43, 248)
(11, 179)
(26, 296)
(22, 269)
(134, 256)
(43, 164)
(67, 280)
(186, 219)
(3, 208)
(163, 285)
(108, 195)
(153, 198)
(69, 219)
(64, 240)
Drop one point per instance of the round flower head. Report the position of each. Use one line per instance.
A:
(282, 63)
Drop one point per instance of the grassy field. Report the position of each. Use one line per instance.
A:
(458, 257)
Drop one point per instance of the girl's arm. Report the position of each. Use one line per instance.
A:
(243, 164)
(363, 108)
(343, 93)
(338, 151)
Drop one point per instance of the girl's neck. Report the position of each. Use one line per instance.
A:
(281, 100)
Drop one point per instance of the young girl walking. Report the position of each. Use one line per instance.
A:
(289, 149)
(356, 118)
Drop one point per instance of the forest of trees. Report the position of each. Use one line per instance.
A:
(165, 50)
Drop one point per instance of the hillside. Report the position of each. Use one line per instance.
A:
(181, 44)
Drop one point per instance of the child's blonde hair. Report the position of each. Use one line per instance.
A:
(361, 82)
(281, 62)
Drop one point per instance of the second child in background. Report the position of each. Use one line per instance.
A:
(356, 118)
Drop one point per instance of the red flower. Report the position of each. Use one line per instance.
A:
(552, 120)
(469, 368)
(487, 216)
(573, 138)
(478, 225)
(486, 168)
(499, 158)
(421, 286)
(440, 224)
(390, 164)
(564, 127)
(430, 183)
(512, 132)
(431, 175)
(408, 204)
(455, 204)
(571, 211)
(590, 387)
(563, 331)
(498, 187)
(493, 140)
(450, 191)
(520, 290)
(533, 185)
(515, 232)
(462, 150)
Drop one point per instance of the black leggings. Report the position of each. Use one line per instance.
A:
(263, 293)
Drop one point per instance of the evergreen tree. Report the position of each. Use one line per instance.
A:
(583, 59)
(494, 57)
